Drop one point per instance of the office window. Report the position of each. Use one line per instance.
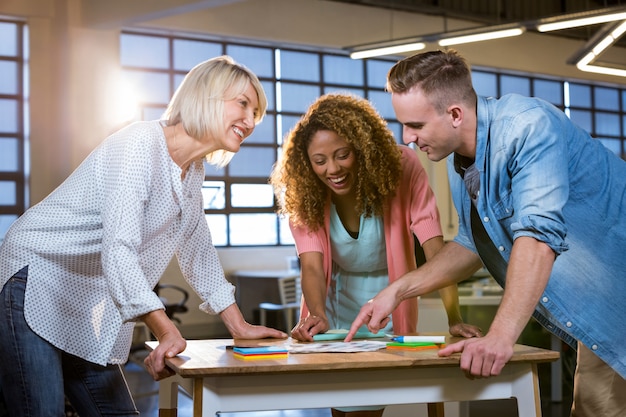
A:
(238, 201)
(13, 128)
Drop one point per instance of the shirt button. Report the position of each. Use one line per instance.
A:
(486, 219)
(544, 299)
(568, 324)
(594, 347)
(501, 248)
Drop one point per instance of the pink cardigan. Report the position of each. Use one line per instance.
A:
(412, 210)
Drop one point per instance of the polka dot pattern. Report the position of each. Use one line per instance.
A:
(98, 244)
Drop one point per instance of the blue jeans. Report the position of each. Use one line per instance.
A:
(35, 376)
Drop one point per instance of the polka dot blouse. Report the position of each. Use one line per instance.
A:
(98, 244)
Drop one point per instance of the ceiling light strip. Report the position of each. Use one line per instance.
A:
(483, 36)
(389, 50)
(583, 21)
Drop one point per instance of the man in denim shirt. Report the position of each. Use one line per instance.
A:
(541, 205)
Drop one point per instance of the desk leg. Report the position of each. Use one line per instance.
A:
(526, 391)
(197, 397)
(168, 397)
(436, 410)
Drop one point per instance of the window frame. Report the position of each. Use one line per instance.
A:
(277, 81)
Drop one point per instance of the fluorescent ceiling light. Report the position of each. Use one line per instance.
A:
(581, 19)
(388, 50)
(596, 46)
(483, 35)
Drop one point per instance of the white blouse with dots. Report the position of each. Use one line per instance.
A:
(98, 244)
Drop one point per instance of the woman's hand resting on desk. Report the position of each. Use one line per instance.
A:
(239, 328)
(171, 343)
(465, 330)
(169, 346)
(308, 327)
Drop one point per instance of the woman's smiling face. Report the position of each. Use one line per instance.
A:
(333, 161)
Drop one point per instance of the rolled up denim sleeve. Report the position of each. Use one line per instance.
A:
(538, 172)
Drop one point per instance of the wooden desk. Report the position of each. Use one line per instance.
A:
(218, 382)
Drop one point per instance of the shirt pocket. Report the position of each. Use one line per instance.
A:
(503, 208)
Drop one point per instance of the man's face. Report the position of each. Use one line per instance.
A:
(431, 131)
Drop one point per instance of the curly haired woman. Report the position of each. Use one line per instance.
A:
(354, 199)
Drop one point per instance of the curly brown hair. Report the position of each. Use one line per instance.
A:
(301, 194)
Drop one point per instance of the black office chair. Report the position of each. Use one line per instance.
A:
(165, 292)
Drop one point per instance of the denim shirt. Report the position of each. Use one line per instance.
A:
(544, 177)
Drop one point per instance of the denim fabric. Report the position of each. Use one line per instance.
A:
(36, 376)
(544, 177)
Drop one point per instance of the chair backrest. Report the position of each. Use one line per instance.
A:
(290, 289)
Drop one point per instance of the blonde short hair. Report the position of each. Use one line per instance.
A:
(199, 100)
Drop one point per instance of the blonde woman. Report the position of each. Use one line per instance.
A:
(79, 268)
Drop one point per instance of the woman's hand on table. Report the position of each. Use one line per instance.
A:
(308, 327)
(170, 345)
(465, 330)
(239, 328)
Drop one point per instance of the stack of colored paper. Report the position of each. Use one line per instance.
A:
(260, 352)
(413, 345)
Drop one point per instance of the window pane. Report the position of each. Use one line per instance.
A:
(252, 162)
(178, 78)
(263, 225)
(343, 70)
(396, 128)
(6, 220)
(263, 132)
(213, 195)
(299, 66)
(259, 60)
(606, 98)
(217, 225)
(286, 238)
(213, 171)
(579, 95)
(298, 97)
(607, 124)
(382, 102)
(7, 193)
(8, 80)
(150, 87)
(144, 51)
(511, 84)
(485, 84)
(333, 89)
(269, 93)
(8, 116)
(582, 118)
(8, 155)
(189, 53)
(377, 72)
(551, 91)
(252, 195)
(288, 123)
(8, 34)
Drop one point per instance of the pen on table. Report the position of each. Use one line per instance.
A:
(413, 339)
